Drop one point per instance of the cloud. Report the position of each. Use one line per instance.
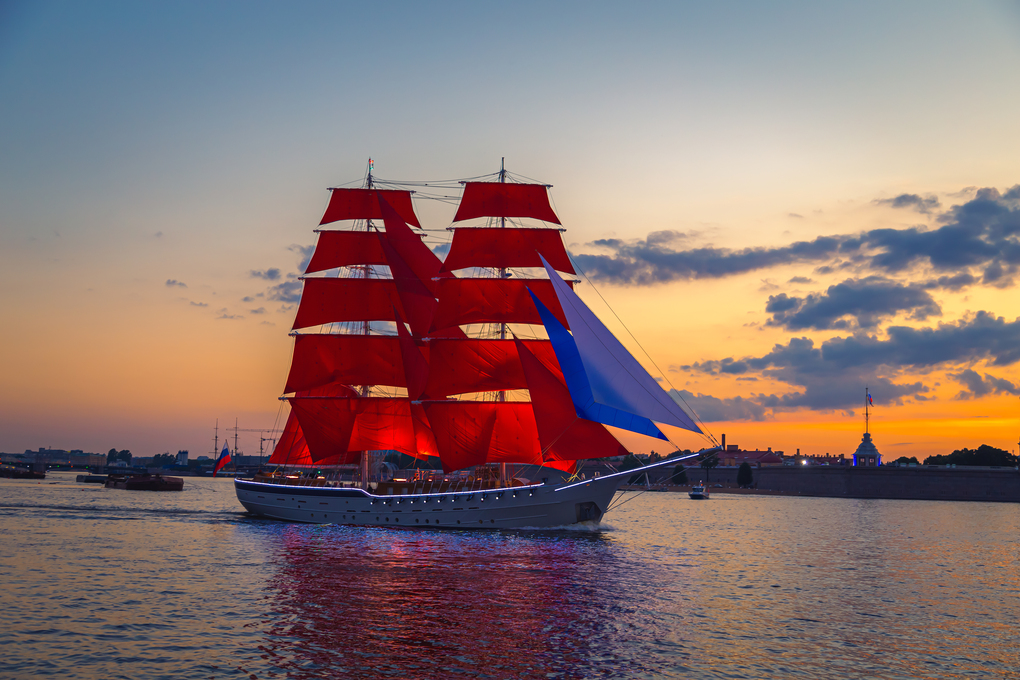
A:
(304, 253)
(158, 234)
(795, 216)
(979, 236)
(224, 315)
(442, 250)
(648, 261)
(247, 298)
(833, 375)
(713, 409)
(260, 310)
(866, 300)
(921, 204)
(271, 274)
(171, 283)
(198, 304)
(288, 291)
(980, 337)
(800, 279)
(979, 387)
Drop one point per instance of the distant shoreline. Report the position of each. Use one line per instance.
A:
(886, 482)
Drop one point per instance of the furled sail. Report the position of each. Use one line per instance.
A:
(607, 384)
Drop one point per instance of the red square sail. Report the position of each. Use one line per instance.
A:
(475, 432)
(346, 359)
(343, 427)
(471, 365)
(333, 300)
(363, 204)
(506, 247)
(495, 199)
(464, 301)
(345, 249)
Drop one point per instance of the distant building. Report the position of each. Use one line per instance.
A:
(867, 454)
(182, 458)
(826, 459)
(734, 456)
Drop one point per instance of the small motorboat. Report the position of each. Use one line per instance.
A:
(699, 492)
(145, 482)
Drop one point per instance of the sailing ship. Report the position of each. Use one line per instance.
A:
(487, 361)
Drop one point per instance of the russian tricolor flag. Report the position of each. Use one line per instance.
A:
(222, 460)
(869, 399)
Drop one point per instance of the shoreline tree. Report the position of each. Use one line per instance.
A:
(984, 455)
(679, 476)
(745, 477)
(708, 464)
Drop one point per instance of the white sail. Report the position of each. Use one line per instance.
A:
(615, 376)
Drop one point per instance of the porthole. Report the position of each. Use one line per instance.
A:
(493, 521)
(458, 521)
(481, 521)
(417, 521)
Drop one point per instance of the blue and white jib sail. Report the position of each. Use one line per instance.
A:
(606, 383)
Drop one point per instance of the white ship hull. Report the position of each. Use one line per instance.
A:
(537, 505)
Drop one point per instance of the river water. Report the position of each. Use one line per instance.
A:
(101, 583)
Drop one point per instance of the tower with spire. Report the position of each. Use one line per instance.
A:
(867, 454)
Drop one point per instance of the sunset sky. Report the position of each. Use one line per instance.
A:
(782, 202)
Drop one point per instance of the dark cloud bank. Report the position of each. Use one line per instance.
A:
(977, 242)
(979, 235)
(832, 375)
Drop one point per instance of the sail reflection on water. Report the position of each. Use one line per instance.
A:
(433, 604)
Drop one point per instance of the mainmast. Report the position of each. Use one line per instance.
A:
(501, 395)
(366, 329)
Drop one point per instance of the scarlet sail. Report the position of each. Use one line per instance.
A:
(345, 249)
(505, 248)
(476, 432)
(473, 365)
(433, 360)
(343, 427)
(334, 300)
(466, 301)
(347, 359)
(363, 204)
(497, 199)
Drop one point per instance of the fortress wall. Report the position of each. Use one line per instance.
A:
(919, 483)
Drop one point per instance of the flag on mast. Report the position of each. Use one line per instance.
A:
(870, 402)
(222, 460)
